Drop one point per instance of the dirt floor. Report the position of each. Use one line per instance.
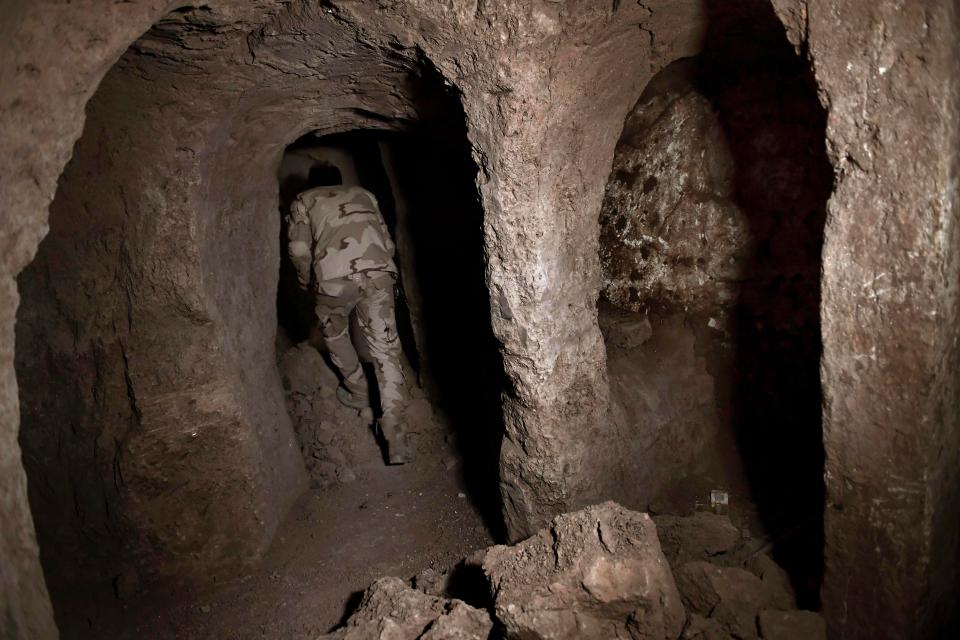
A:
(390, 521)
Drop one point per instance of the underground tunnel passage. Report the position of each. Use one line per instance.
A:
(423, 184)
(137, 268)
(693, 257)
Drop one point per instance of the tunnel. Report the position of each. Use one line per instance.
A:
(123, 454)
(424, 186)
(674, 305)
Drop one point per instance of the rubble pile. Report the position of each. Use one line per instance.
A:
(322, 424)
(604, 572)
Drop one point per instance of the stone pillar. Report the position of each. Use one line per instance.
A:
(888, 73)
(544, 135)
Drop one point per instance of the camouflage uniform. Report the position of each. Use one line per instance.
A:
(339, 232)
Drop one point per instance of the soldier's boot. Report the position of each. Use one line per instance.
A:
(353, 400)
(353, 393)
(399, 450)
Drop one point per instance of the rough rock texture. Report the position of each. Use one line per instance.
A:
(708, 537)
(326, 430)
(545, 87)
(701, 536)
(572, 90)
(732, 597)
(214, 94)
(672, 236)
(391, 610)
(330, 435)
(597, 573)
(888, 74)
(715, 209)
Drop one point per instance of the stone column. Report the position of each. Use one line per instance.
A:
(544, 126)
(888, 74)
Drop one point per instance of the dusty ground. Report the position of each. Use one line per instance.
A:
(389, 521)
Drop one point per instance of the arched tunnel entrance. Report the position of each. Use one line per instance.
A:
(711, 235)
(170, 393)
(423, 182)
(142, 379)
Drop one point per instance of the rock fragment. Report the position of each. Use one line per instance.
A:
(775, 580)
(701, 536)
(701, 628)
(733, 597)
(303, 370)
(596, 573)
(392, 610)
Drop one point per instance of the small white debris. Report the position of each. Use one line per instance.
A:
(719, 498)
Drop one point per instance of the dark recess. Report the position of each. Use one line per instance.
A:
(766, 99)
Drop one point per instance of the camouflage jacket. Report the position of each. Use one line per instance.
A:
(340, 232)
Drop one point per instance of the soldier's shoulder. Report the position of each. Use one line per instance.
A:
(359, 194)
(320, 192)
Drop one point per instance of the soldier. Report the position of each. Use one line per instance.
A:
(339, 232)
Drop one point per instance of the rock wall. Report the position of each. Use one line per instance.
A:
(541, 180)
(714, 212)
(672, 235)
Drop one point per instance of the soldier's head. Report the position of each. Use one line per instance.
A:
(325, 175)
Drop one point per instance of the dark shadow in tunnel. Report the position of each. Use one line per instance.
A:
(765, 97)
(463, 370)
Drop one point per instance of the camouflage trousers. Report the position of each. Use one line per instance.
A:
(371, 296)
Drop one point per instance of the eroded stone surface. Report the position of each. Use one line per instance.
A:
(391, 610)
(673, 237)
(597, 573)
(889, 266)
(214, 94)
(701, 536)
(890, 315)
(791, 625)
(730, 596)
(662, 400)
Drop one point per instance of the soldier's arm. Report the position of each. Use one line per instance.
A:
(300, 241)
